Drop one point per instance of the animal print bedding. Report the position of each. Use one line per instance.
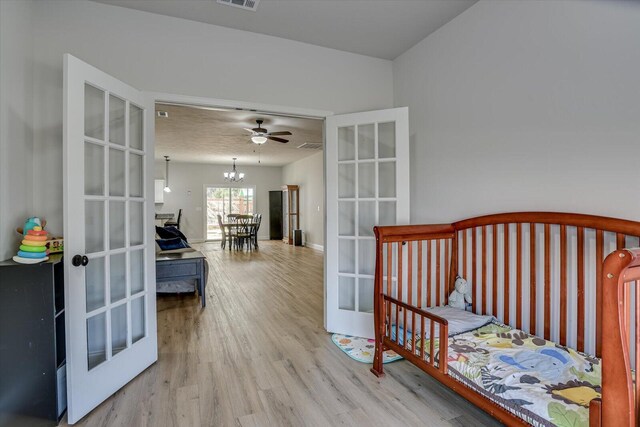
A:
(537, 380)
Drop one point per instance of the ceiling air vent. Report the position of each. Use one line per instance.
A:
(242, 4)
(311, 146)
(163, 114)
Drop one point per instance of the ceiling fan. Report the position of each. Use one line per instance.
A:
(260, 135)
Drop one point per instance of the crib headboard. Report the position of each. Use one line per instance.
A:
(549, 285)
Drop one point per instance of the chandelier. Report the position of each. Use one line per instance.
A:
(234, 175)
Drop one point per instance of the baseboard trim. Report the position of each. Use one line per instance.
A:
(315, 246)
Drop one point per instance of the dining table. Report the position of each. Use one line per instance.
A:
(233, 225)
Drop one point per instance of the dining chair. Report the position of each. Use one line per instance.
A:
(225, 235)
(257, 220)
(175, 223)
(244, 231)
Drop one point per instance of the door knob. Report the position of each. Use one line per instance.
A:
(80, 260)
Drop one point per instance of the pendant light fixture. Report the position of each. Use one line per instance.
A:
(166, 175)
(233, 175)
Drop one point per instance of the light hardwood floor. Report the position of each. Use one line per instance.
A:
(258, 355)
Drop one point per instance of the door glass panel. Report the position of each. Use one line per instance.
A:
(346, 143)
(387, 213)
(118, 329)
(347, 181)
(136, 223)
(94, 226)
(136, 127)
(95, 284)
(365, 295)
(116, 120)
(137, 319)
(347, 256)
(135, 175)
(366, 218)
(387, 179)
(116, 225)
(116, 172)
(366, 180)
(93, 169)
(96, 340)
(137, 271)
(346, 293)
(346, 218)
(386, 140)
(366, 142)
(366, 256)
(93, 112)
(118, 277)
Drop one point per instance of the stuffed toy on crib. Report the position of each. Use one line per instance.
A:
(461, 295)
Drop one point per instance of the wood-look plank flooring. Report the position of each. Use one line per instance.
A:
(258, 355)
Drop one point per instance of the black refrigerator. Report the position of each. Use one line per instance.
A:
(275, 215)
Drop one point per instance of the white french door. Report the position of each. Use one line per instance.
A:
(109, 263)
(367, 184)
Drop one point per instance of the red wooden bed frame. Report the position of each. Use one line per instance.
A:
(614, 280)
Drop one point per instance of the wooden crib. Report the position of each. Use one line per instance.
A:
(539, 272)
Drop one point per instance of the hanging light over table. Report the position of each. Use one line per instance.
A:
(234, 175)
(166, 175)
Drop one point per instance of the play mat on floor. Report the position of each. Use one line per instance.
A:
(361, 349)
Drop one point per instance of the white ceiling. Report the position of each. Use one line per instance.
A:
(200, 135)
(380, 28)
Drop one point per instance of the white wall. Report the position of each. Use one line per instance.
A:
(192, 177)
(525, 105)
(308, 173)
(16, 132)
(159, 53)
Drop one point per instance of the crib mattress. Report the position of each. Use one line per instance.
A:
(538, 381)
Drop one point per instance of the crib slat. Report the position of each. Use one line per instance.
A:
(563, 285)
(429, 253)
(420, 243)
(580, 295)
(494, 283)
(399, 278)
(446, 271)
(389, 282)
(422, 336)
(532, 279)
(438, 244)
(473, 269)
(507, 282)
(410, 295)
(620, 241)
(432, 353)
(547, 281)
(464, 255)
(484, 270)
(599, 259)
(519, 276)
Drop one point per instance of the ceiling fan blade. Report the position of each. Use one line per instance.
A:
(273, 138)
(286, 132)
(259, 130)
(248, 130)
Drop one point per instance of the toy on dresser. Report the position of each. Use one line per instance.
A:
(33, 248)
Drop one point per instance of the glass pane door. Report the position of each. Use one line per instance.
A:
(224, 201)
(367, 185)
(108, 260)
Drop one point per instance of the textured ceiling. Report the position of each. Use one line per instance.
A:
(380, 28)
(192, 134)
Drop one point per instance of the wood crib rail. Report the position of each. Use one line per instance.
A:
(620, 396)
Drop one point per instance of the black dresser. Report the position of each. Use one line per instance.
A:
(32, 343)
